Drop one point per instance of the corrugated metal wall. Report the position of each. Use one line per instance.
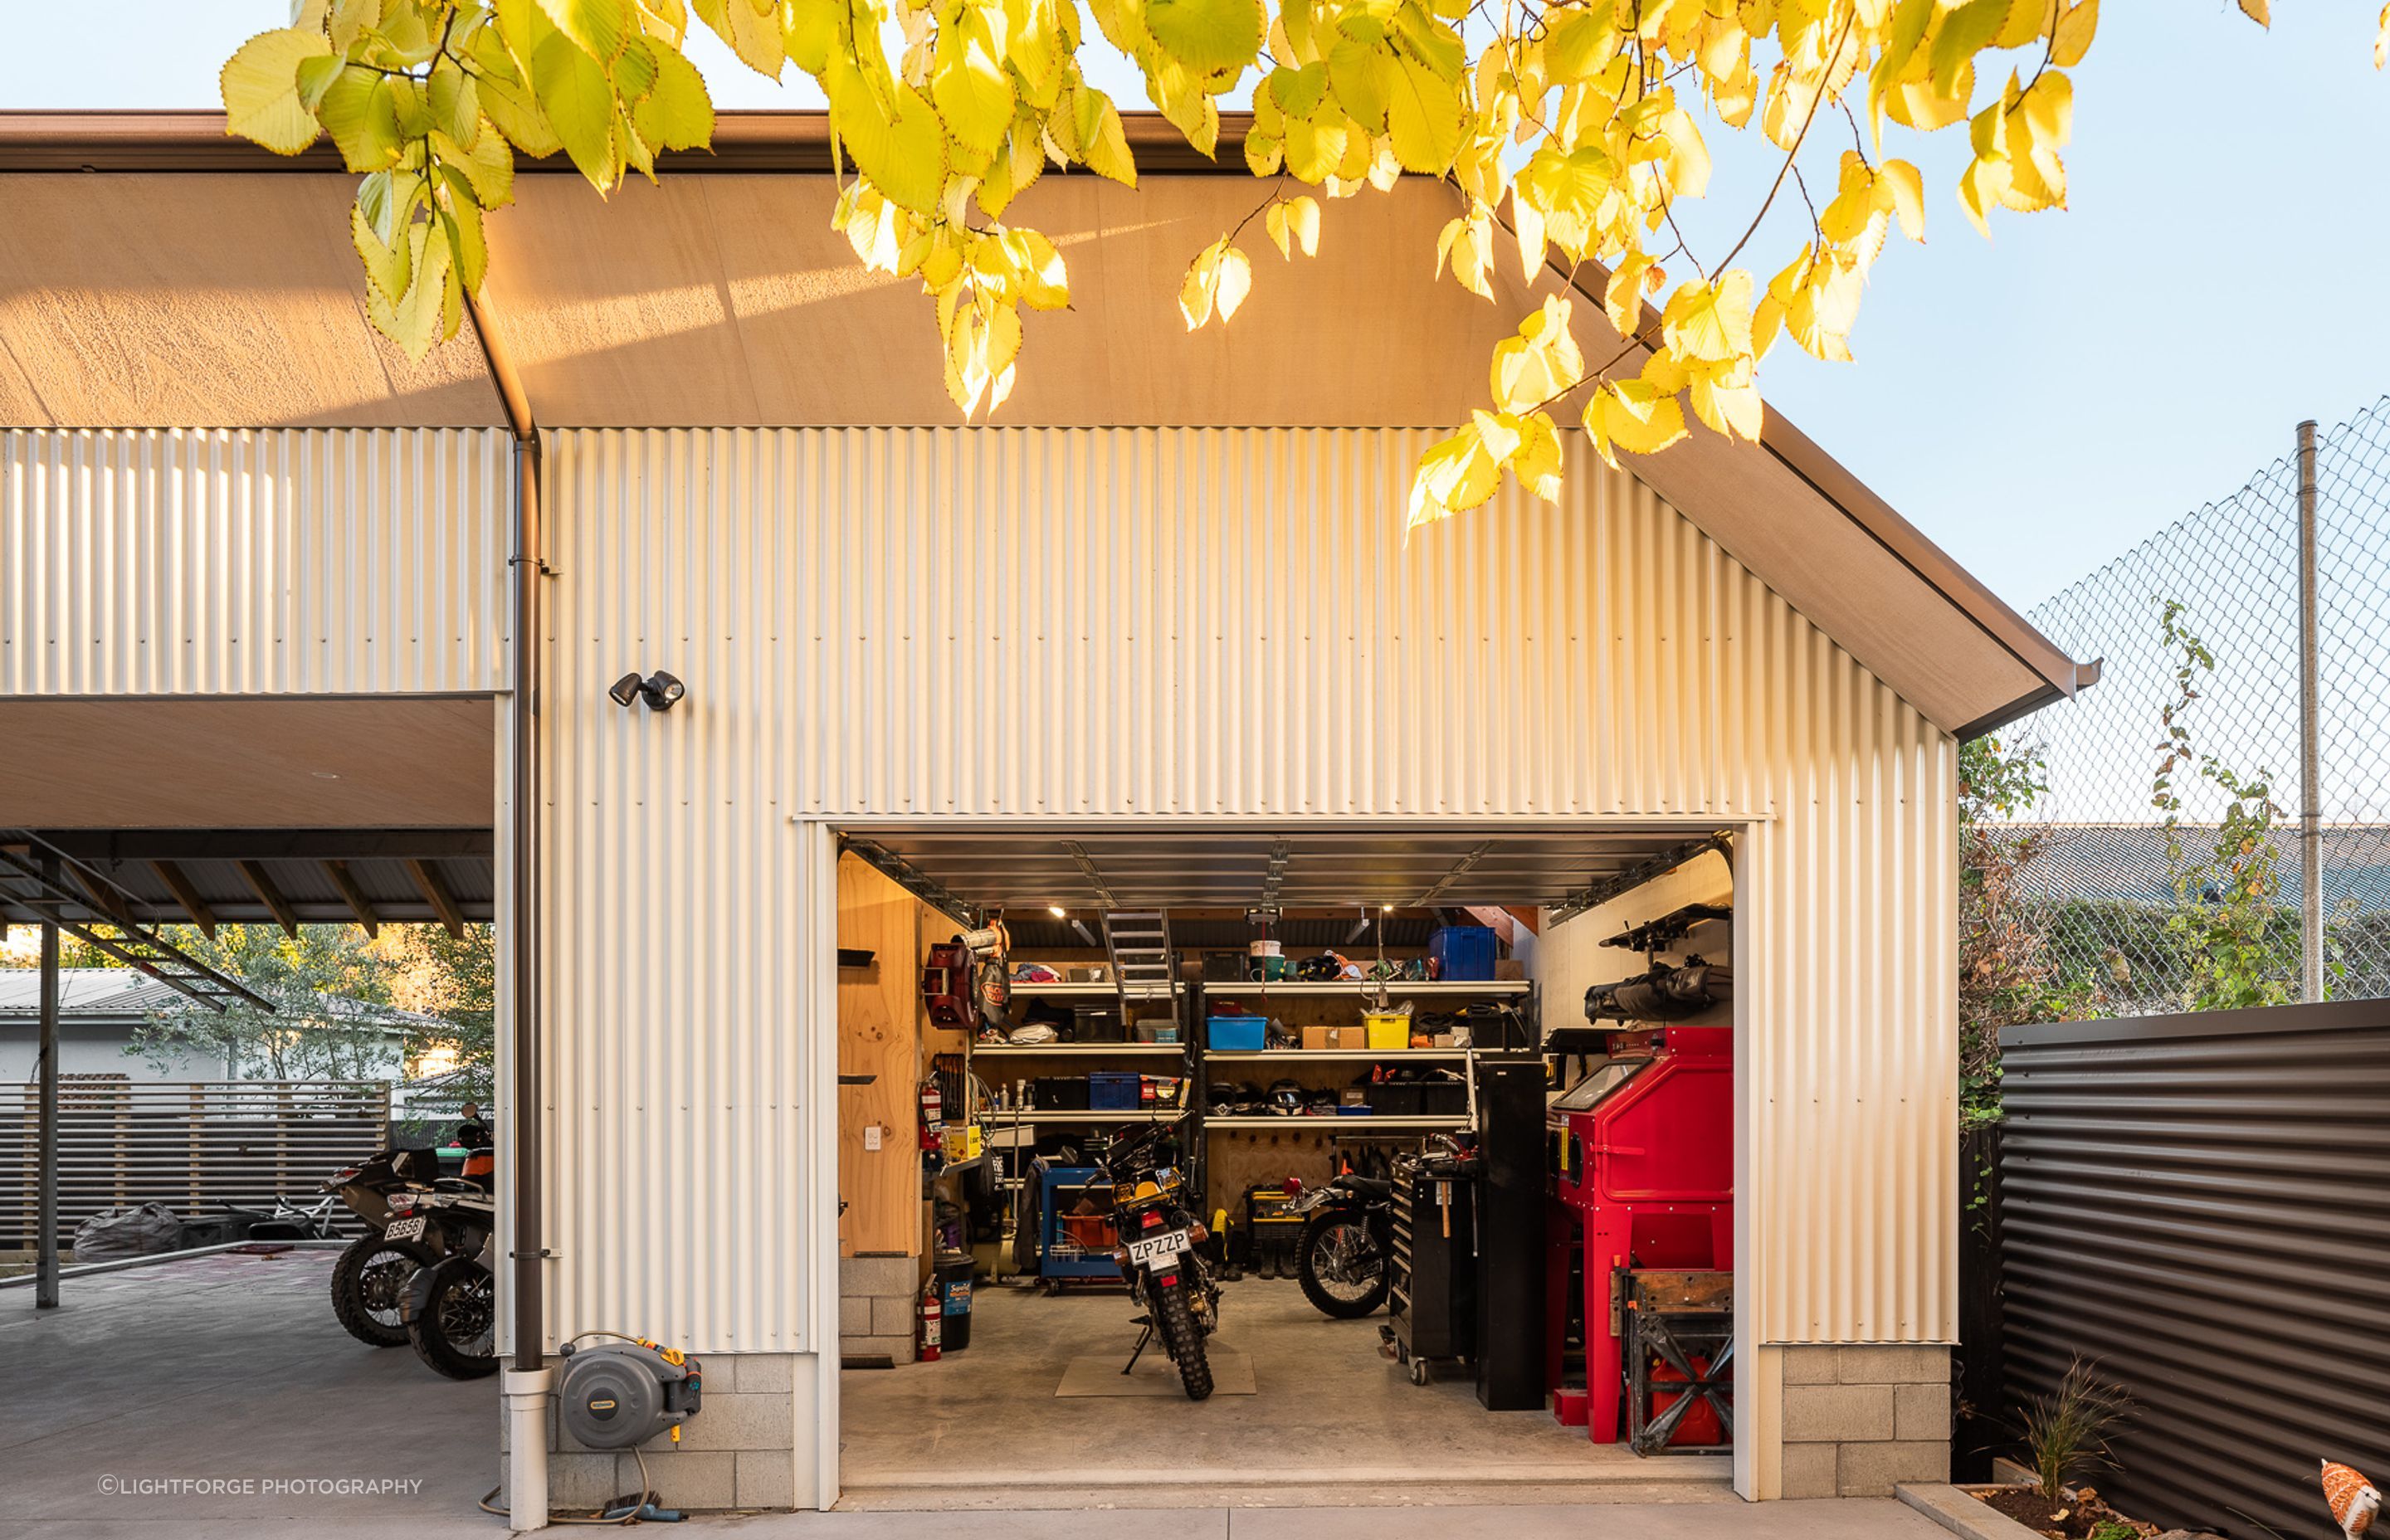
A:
(2201, 1203)
(217, 563)
(1080, 624)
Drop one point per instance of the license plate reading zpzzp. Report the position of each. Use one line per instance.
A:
(403, 1229)
(1154, 1251)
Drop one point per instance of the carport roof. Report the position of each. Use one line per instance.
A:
(278, 875)
(176, 278)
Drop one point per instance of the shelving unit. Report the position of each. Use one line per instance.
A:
(1462, 988)
(1337, 1124)
(1003, 1119)
(1075, 1050)
(1105, 988)
(1331, 1056)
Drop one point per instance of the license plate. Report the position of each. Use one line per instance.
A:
(1158, 1248)
(403, 1229)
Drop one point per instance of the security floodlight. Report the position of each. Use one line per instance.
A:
(661, 691)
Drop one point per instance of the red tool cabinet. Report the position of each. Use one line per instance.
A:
(1641, 1154)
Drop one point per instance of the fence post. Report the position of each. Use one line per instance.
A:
(2311, 766)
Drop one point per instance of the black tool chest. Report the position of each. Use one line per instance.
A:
(1434, 1297)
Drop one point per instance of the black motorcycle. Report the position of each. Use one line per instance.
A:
(1343, 1257)
(451, 1306)
(1158, 1235)
(369, 1280)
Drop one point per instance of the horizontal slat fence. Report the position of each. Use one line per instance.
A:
(195, 1147)
(2201, 1204)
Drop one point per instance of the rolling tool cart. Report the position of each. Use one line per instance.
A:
(1431, 1305)
(1075, 1247)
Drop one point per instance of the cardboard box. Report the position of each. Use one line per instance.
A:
(1318, 1038)
(1348, 1037)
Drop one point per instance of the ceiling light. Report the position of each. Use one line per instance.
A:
(1058, 911)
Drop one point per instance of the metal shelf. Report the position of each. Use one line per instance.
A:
(1024, 987)
(1329, 1055)
(1463, 988)
(1332, 1126)
(1067, 1050)
(1172, 1115)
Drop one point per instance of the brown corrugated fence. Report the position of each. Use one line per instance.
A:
(2201, 1203)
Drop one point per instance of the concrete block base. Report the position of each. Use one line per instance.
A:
(739, 1452)
(1860, 1420)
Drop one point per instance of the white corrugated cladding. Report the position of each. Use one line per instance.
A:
(1082, 625)
(269, 561)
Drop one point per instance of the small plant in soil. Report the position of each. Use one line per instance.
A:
(2067, 1433)
(2067, 1429)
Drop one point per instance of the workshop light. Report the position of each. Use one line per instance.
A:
(1058, 911)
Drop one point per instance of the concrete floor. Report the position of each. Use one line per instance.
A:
(231, 1370)
(1332, 1422)
(226, 1369)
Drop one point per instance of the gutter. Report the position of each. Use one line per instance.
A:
(743, 142)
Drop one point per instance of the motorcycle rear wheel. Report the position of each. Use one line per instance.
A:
(1174, 1319)
(455, 1332)
(370, 1288)
(1318, 1265)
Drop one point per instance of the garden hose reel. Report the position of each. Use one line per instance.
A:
(622, 1394)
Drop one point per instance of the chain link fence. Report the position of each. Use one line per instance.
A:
(2129, 904)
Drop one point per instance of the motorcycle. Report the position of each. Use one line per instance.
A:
(451, 1306)
(1343, 1256)
(1157, 1237)
(369, 1280)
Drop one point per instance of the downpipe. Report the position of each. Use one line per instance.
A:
(526, 1393)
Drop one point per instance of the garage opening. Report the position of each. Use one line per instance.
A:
(1285, 1165)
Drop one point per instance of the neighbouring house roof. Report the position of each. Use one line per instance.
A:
(2128, 864)
(121, 994)
(154, 272)
(84, 992)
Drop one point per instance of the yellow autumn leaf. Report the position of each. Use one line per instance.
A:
(1539, 363)
(1710, 323)
(2071, 38)
(260, 90)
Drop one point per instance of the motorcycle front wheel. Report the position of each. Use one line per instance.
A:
(454, 1332)
(1173, 1320)
(370, 1288)
(1343, 1264)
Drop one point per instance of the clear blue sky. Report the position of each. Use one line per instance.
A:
(2038, 404)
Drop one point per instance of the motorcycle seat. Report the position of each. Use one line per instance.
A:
(1367, 1188)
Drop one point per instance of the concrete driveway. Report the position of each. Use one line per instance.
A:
(216, 1398)
(219, 1388)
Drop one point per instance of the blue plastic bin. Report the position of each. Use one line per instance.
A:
(1238, 1033)
(1462, 952)
(1110, 1091)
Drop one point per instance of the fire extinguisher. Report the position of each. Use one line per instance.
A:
(934, 1118)
(934, 1317)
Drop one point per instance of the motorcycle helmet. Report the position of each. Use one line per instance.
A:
(1324, 968)
(1285, 1097)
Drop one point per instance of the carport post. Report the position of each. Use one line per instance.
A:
(45, 1212)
